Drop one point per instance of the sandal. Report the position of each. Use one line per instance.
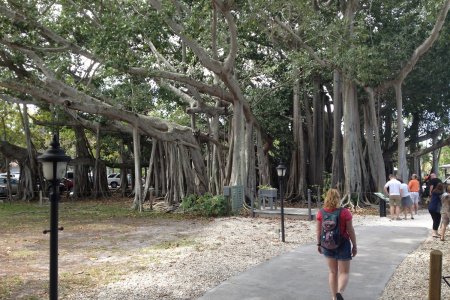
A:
(436, 236)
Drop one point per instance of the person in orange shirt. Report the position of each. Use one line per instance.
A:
(414, 187)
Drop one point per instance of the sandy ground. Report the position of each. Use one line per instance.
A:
(228, 246)
(180, 259)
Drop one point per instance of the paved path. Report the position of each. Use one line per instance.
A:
(302, 273)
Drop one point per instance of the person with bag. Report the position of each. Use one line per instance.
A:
(336, 240)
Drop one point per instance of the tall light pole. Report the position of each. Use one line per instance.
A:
(281, 172)
(54, 162)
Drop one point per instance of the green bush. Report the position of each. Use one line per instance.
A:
(206, 205)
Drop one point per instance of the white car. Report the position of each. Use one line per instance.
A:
(114, 180)
(4, 186)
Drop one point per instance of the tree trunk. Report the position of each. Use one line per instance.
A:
(318, 137)
(435, 158)
(27, 183)
(100, 180)
(375, 156)
(82, 186)
(337, 174)
(137, 203)
(296, 185)
(238, 174)
(401, 150)
(352, 141)
(149, 171)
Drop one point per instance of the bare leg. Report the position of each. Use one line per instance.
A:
(443, 232)
(397, 211)
(333, 275)
(392, 211)
(344, 270)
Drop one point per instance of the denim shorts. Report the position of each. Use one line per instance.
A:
(343, 252)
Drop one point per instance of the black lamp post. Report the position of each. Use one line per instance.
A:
(281, 171)
(54, 162)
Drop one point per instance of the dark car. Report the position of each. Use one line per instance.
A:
(4, 186)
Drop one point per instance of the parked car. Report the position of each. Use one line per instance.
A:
(4, 186)
(114, 180)
(11, 175)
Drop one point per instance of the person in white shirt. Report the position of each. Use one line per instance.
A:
(407, 202)
(392, 188)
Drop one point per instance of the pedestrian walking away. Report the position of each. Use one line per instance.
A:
(414, 189)
(434, 208)
(338, 246)
(392, 189)
(407, 203)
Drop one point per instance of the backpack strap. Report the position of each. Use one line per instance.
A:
(338, 216)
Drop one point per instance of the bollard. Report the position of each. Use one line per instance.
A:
(382, 208)
(434, 290)
(309, 205)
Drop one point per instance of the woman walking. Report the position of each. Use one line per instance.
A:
(434, 208)
(338, 259)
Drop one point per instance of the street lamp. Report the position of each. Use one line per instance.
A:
(54, 162)
(281, 171)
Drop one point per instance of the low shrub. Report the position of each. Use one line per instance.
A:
(206, 205)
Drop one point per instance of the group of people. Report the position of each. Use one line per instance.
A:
(403, 197)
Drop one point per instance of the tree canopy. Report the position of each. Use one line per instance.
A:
(228, 88)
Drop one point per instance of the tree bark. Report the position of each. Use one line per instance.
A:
(28, 183)
(352, 145)
(318, 137)
(137, 203)
(401, 150)
(373, 144)
(82, 186)
(296, 185)
(337, 174)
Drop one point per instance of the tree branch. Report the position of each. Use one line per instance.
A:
(423, 48)
(308, 49)
(211, 64)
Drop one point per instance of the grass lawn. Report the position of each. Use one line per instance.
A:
(101, 242)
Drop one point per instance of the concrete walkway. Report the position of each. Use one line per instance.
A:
(303, 273)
